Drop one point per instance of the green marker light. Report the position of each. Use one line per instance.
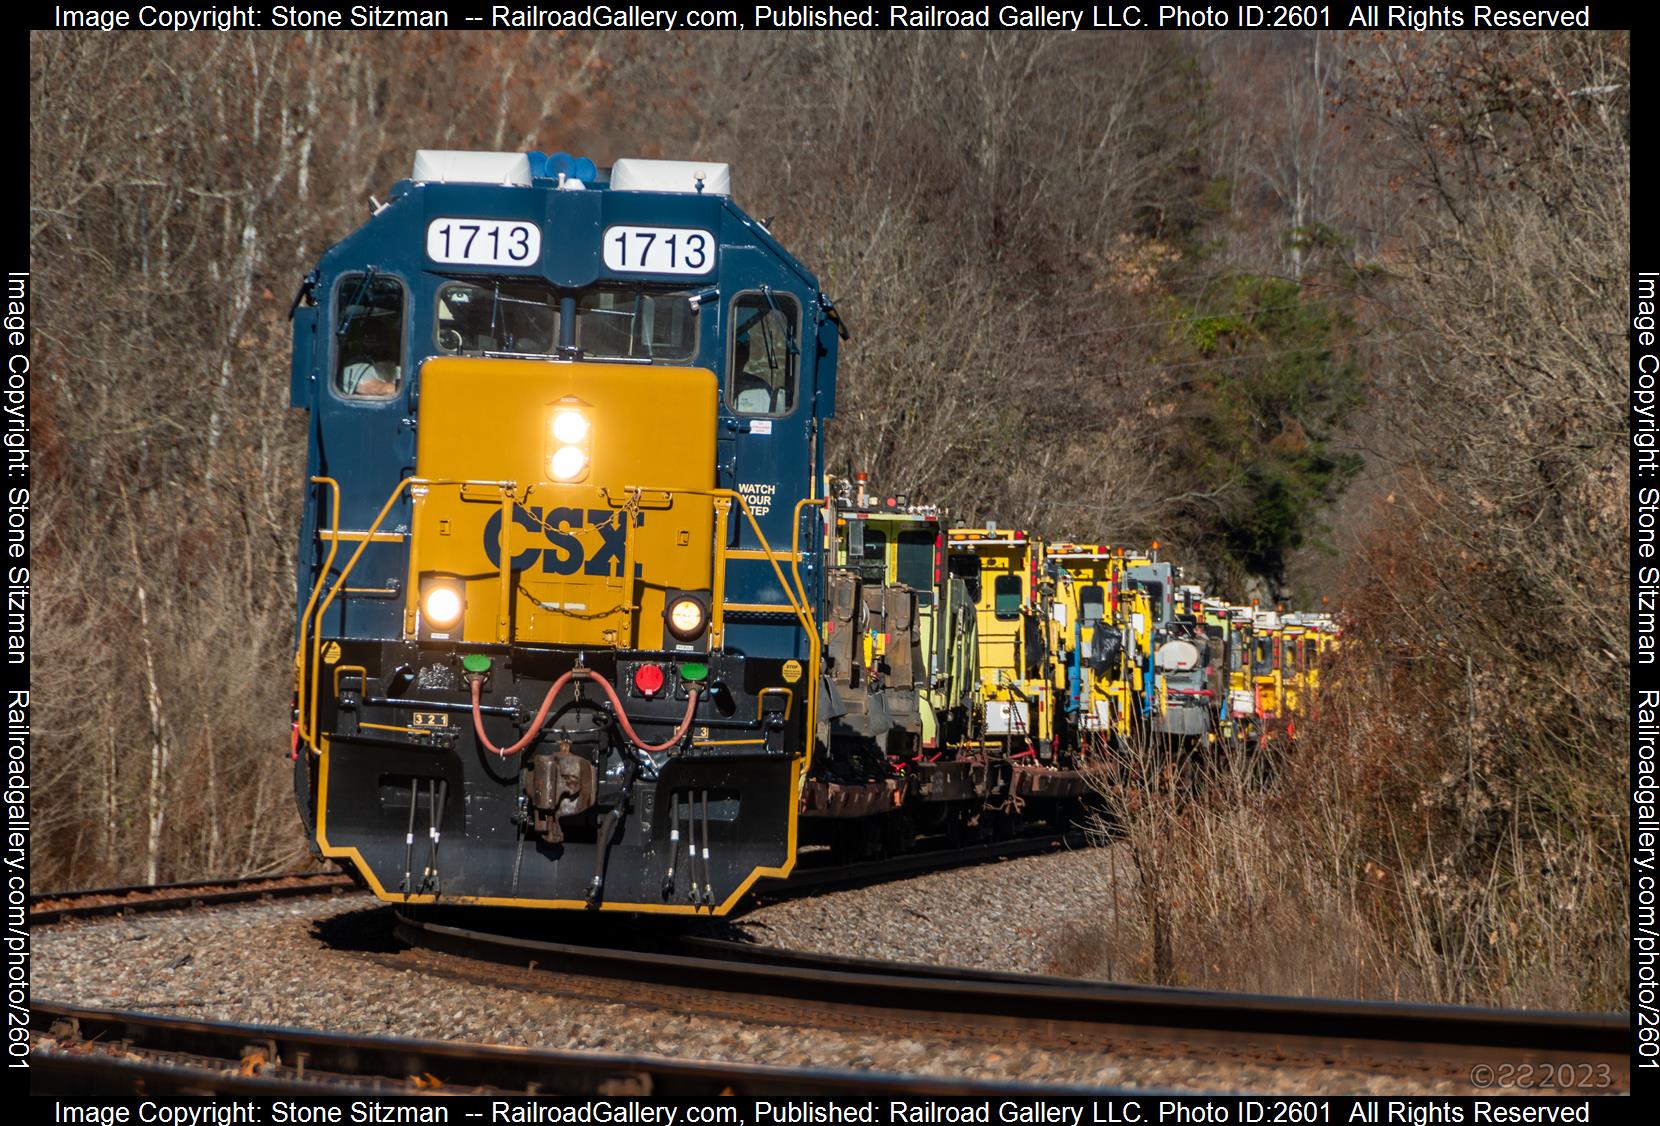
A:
(476, 662)
(694, 671)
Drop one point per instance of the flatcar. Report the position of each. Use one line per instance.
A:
(559, 580)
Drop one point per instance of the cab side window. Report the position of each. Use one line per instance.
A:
(764, 354)
(368, 336)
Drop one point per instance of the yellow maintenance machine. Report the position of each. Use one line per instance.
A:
(1096, 650)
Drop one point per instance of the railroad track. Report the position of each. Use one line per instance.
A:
(810, 879)
(858, 991)
(58, 907)
(61, 906)
(100, 1052)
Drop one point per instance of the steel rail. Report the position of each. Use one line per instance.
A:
(837, 877)
(186, 1056)
(57, 907)
(1086, 1009)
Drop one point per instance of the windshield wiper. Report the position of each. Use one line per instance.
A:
(789, 327)
(357, 299)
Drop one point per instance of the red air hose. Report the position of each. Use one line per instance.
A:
(535, 728)
(530, 734)
(628, 728)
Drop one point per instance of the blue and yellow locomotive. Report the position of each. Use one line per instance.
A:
(558, 582)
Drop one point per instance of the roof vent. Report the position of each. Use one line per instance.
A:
(447, 166)
(689, 177)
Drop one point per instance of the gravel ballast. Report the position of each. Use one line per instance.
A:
(333, 965)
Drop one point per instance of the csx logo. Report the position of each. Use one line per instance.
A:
(568, 554)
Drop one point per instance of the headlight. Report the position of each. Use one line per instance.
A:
(443, 606)
(567, 463)
(570, 426)
(570, 440)
(686, 616)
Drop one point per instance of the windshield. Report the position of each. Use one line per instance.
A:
(519, 317)
(635, 324)
(872, 563)
(1006, 597)
(967, 568)
(916, 564)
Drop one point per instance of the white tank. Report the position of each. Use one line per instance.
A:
(1177, 656)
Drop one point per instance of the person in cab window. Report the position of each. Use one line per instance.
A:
(754, 392)
(366, 379)
(370, 346)
(762, 366)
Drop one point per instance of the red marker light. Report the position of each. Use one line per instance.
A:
(648, 679)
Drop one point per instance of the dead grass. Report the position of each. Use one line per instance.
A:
(1223, 881)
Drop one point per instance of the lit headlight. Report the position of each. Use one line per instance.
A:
(442, 606)
(570, 440)
(567, 463)
(570, 426)
(686, 616)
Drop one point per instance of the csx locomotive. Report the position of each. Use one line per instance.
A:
(558, 579)
(584, 623)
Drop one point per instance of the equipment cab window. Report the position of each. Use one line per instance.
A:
(1006, 597)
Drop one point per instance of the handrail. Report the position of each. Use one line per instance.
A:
(300, 668)
(323, 607)
(309, 729)
(795, 539)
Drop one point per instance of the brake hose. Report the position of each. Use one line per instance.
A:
(535, 728)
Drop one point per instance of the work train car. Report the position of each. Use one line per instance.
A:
(558, 580)
(1094, 603)
(900, 680)
(583, 623)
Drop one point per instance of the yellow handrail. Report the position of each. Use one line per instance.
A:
(323, 608)
(717, 588)
(795, 540)
(300, 669)
(309, 729)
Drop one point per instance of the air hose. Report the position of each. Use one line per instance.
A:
(535, 729)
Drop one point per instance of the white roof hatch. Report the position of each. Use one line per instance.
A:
(689, 176)
(450, 166)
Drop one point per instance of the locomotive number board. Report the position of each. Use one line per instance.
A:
(484, 242)
(659, 250)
